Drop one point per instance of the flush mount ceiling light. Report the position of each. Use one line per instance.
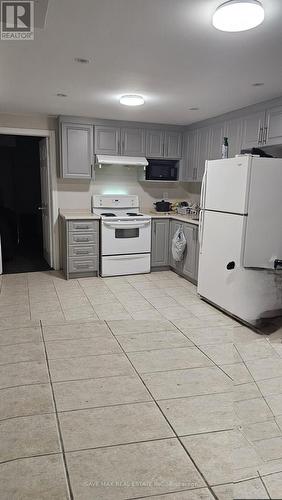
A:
(238, 15)
(132, 100)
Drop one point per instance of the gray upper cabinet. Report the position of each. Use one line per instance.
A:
(202, 152)
(164, 144)
(107, 140)
(273, 124)
(160, 243)
(76, 150)
(233, 130)
(155, 143)
(253, 129)
(133, 141)
(216, 140)
(190, 149)
(173, 144)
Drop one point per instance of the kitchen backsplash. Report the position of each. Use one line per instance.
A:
(122, 180)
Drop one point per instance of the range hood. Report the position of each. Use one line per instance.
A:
(121, 160)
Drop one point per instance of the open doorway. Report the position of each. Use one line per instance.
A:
(23, 208)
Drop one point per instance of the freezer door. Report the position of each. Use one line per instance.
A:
(263, 244)
(226, 185)
(220, 258)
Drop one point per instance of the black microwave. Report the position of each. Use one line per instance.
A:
(162, 170)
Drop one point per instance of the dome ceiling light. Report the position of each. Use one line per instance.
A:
(132, 100)
(238, 15)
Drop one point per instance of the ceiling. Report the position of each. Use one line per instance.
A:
(166, 50)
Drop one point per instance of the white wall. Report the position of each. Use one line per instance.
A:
(35, 121)
(122, 180)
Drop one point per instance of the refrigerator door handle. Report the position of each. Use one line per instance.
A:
(201, 229)
(203, 189)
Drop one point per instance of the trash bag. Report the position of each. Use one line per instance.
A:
(178, 245)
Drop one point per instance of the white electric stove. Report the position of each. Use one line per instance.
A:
(125, 235)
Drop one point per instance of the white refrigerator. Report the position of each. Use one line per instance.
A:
(240, 263)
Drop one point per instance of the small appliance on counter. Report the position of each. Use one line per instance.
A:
(162, 206)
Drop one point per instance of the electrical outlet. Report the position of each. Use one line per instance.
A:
(165, 195)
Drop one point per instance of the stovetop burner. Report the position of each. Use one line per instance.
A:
(108, 214)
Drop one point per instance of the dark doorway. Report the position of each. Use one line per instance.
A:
(20, 199)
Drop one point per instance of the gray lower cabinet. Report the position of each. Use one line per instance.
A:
(80, 247)
(76, 152)
(160, 243)
(188, 266)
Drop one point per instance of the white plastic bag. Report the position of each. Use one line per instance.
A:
(178, 245)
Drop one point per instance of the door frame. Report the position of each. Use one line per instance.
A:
(52, 168)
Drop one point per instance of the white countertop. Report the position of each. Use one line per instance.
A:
(80, 214)
(170, 215)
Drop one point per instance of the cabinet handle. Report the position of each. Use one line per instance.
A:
(265, 135)
(260, 136)
(82, 239)
(123, 146)
(194, 174)
(163, 149)
(82, 266)
(82, 252)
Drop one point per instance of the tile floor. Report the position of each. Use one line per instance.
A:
(132, 387)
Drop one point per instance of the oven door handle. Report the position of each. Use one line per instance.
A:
(125, 225)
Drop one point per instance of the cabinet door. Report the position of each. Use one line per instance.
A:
(253, 126)
(155, 143)
(202, 151)
(178, 266)
(233, 130)
(107, 140)
(133, 141)
(216, 140)
(76, 151)
(173, 144)
(190, 258)
(160, 242)
(192, 156)
(274, 126)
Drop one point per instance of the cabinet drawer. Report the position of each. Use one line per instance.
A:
(90, 225)
(82, 251)
(83, 238)
(83, 265)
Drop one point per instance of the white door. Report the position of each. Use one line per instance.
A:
(45, 200)
(225, 185)
(221, 242)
